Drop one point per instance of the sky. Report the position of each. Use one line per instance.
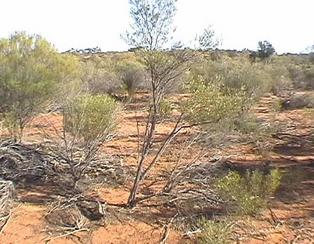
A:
(287, 24)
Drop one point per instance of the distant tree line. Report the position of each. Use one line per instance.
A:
(84, 51)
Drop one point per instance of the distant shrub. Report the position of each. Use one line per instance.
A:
(250, 78)
(132, 76)
(248, 194)
(214, 232)
(309, 77)
(208, 39)
(265, 49)
(100, 77)
(237, 74)
(280, 82)
(302, 74)
(311, 57)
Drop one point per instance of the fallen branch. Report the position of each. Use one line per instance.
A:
(167, 230)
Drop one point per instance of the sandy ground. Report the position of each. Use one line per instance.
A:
(293, 208)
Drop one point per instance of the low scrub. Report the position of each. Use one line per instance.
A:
(250, 193)
(214, 232)
(90, 117)
(210, 104)
(88, 122)
(165, 109)
(235, 74)
(302, 75)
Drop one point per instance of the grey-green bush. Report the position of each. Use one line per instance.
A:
(90, 117)
(31, 71)
(248, 194)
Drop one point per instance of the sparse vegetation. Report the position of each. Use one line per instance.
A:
(88, 122)
(192, 140)
(209, 104)
(208, 40)
(214, 232)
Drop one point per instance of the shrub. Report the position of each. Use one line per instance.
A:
(31, 71)
(223, 102)
(280, 81)
(311, 57)
(237, 74)
(90, 117)
(250, 193)
(215, 109)
(214, 232)
(208, 40)
(88, 122)
(302, 74)
(209, 104)
(265, 50)
(256, 131)
(99, 76)
(132, 76)
(165, 109)
(309, 76)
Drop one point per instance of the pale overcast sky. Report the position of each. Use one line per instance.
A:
(287, 24)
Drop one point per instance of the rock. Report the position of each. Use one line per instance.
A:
(91, 209)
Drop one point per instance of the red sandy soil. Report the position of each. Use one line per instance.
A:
(295, 219)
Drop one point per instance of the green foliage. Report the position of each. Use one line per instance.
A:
(91, 117)
(209, 104)
(265, 50)
(250, 193)
(224, 91)
(151, 23)
(31, 71)
(256, 131)
(208, 40)
(165, 109)
(214, 232)
(237, 74)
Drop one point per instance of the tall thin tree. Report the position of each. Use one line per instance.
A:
(150, 33)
